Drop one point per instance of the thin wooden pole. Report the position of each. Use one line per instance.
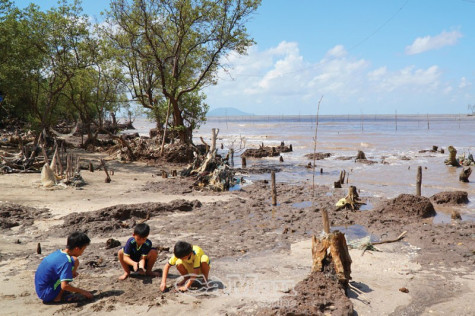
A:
(326, 222)
(274, 189)
(315, 147)
(419, 181)
(243, 162)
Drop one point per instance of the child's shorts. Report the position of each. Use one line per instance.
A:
(50, 293)
(189, 266)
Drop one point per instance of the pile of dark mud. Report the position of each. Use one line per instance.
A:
(450, 197)
(106, 220)
(12, 215)
(318, 294)
(407, 205)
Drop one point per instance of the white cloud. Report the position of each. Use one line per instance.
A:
(281, 81)
(409, 78)
(427, 43)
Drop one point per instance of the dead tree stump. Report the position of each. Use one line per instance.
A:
(452, 161)
(332, 245)
(465, 174)
(337, 184)
(351, 201)
(360, 155)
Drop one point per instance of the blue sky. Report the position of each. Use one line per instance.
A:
(370, 57)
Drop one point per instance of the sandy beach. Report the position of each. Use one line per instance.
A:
(259, 253)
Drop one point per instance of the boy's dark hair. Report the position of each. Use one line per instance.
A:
(77, 239)
(182, 248)
(142, 230)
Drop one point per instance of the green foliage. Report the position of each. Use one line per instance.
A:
(53, 67)
(173, 49)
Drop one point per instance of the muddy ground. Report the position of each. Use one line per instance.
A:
(243, 228)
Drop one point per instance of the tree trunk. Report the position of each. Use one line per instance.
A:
(178, 122)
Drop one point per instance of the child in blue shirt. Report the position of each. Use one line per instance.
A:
(59, 268)
(138, 254)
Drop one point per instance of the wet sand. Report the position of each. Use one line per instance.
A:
(259, 252)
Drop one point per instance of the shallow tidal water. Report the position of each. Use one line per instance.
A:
(393, 142)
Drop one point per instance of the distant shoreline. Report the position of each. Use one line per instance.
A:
(347, 116)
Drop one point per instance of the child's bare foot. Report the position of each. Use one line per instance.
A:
(182, 282)
(124, 276)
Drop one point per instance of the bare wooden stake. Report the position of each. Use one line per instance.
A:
(231, 155)
(108, 178)
(326, 222)
(274, 189)
(243, 162)
(419, 181)
(68, 167)
(38, 249)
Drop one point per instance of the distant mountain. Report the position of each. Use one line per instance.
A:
(227, 112)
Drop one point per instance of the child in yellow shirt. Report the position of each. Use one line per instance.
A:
(190, 261)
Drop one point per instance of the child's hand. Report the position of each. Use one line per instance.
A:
(163, 286)
(183, 289)
(136, 266)
(87, 294)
